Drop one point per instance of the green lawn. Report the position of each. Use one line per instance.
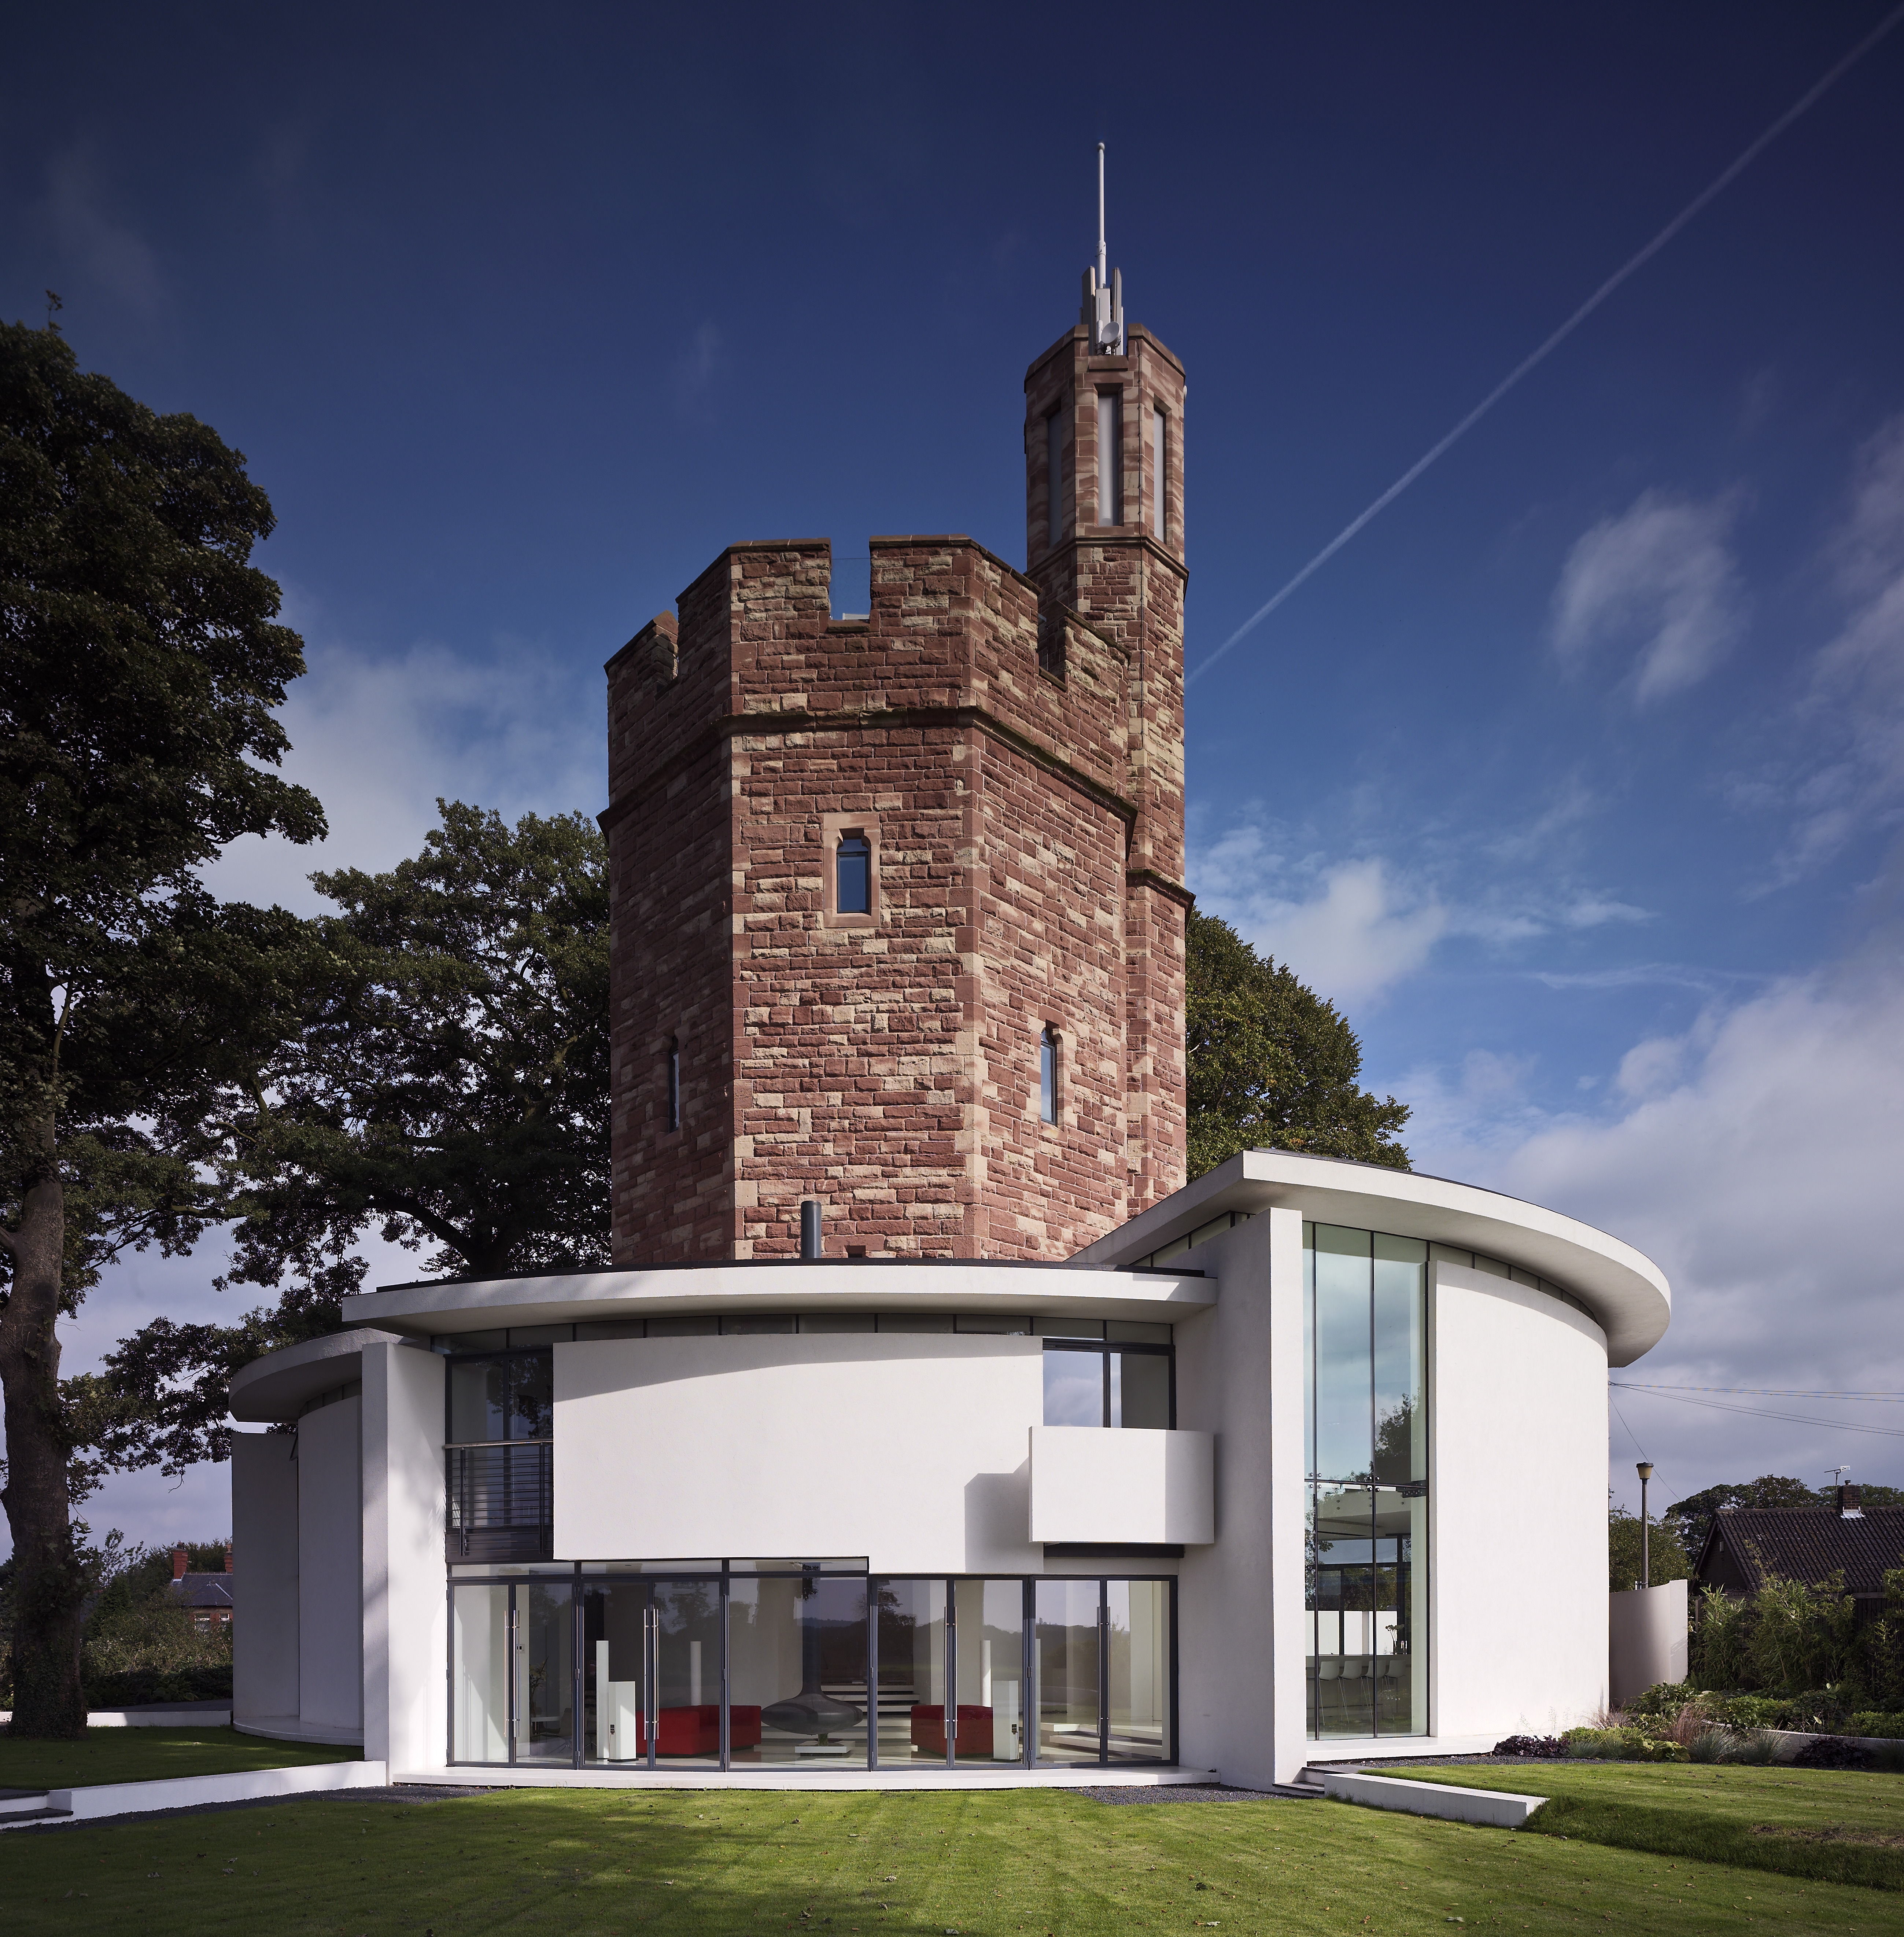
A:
(575, 1863)
(143, 1755)
(1843, 1826)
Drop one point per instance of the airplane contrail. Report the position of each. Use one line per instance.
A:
(1719, 182)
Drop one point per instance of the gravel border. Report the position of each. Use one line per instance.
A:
(1182, 1791)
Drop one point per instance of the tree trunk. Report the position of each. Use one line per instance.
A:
(49, 1577)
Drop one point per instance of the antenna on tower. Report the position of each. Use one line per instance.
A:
(1103, 288)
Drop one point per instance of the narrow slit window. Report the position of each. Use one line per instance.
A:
(674, 1083)
(1159, 450)
(1053, 478)
(1110, 457)
(853, 874)
(1047, 1075)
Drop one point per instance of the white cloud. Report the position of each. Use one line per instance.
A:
(1855, 708)
(1355, 933)
(1659, 581)
(1595, 910)
(1756, 1157)
(378, 740)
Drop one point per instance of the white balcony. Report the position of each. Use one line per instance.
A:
(1122, 1485)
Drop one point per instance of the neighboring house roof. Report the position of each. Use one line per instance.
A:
(1746, 1546)
(203, 1590)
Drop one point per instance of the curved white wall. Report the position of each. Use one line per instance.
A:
(1518, 1508)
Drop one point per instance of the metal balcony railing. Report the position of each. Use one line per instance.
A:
(501, 1505)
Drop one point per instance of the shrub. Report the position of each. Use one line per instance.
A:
(1623, 1745)
(1549, 1746)
(1664, 1698)
(1831, 1752)
(1800, 1635)
(1876, 1722)
(1746, 1712)
(1720, 1628)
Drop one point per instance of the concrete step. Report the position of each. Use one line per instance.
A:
(28, 1806)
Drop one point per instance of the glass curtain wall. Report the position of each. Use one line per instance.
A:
(797, 1671)
(758, 1666)
(513, 1684)
(651, 1671)
(988, 1629)
(912, 1627)
(1365, 1324)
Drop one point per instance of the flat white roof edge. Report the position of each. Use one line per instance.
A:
(1627, 1293)
(830, 1285)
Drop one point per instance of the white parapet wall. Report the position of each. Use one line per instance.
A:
(1145, 1488)
(1498, 1808)
(194, 1792)
(1647, 1639)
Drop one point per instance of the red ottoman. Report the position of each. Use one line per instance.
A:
(974, 1729)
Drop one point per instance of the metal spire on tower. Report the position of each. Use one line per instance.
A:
(1103, 288)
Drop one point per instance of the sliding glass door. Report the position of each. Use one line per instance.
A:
(771, 1664)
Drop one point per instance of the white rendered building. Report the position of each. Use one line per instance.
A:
(1309, 1458)
(1064, 1465)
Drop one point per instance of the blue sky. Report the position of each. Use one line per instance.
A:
(1577, 778)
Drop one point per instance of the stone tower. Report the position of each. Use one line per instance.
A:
(899, 917)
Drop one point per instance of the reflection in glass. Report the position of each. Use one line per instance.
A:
(989, 1627)
(1066, 1651)
(478, 1702)
(1140, 1389)
(508, 1397)
(912, 1714)
(1365, 1322)
(614, 1670)
(1074, 1387)
(686, 1628)
(1137, 1670)
(545, 1672)
(797, 1670)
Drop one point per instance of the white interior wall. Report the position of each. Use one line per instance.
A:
(330, 1566)
(403, 1573)
(909, 1449)
(265, 1585)
(1518, 1500)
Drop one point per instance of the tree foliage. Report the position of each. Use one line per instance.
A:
(446, 1087)
(1271, 1065)
(141, 662)
(1665, 1552)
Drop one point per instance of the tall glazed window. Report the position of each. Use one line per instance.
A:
(1365, 1342)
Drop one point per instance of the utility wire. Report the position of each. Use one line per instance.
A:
(1762, 1412)
(1720, 183)
(1764, 1392)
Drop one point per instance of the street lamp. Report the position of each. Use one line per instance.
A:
(1644, 1469)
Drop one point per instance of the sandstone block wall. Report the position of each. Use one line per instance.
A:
(1025, 810)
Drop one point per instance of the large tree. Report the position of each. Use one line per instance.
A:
(447, 1088)
(1271, 1065)
(141, 662)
